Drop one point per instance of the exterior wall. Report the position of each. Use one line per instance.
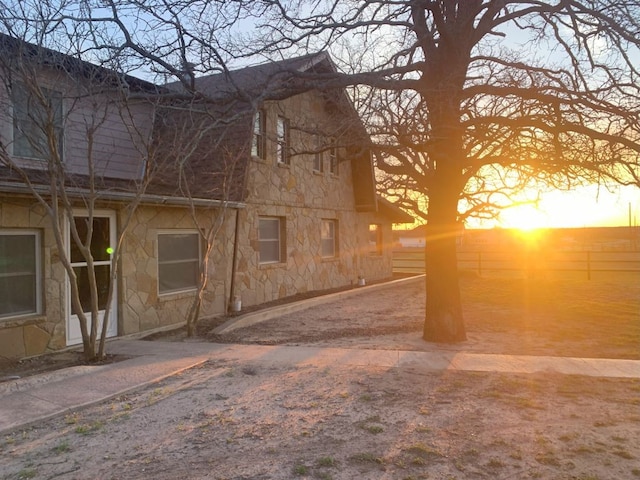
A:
(119, 131)
(375, 266)
(304, 198)
(31, 335)
(140, 307)
(293, 192)
(120, 141)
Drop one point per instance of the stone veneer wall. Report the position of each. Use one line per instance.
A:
(36, 334)
(294, 192)
(142, 307)
(139, 306)
(304, 198)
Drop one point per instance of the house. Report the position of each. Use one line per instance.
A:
(285, 180)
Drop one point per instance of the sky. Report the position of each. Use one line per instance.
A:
(585, 206)
(582, 207)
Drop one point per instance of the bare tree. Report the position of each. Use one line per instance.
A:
(56, 99)
(472, 101)
(197, 157)
(468, 101)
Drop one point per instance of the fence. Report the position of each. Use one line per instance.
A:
(589, 262)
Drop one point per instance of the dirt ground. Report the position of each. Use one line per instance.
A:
(254, 420)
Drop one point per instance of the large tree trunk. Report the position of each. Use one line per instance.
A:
(443, 319)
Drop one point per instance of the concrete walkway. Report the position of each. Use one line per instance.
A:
(27, 401)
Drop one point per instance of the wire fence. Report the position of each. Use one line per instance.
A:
(584, 262)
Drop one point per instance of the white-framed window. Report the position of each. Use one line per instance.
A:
(283, 142)
(37, 120)
(375, 239)
(328, 238)
(258, 142)
(318, 157)
(20, 273)
(271, 235)
(333, 158)
(178, 261)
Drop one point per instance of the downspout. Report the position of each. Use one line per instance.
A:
(232, 287)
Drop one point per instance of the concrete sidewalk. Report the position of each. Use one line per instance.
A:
(31, 400)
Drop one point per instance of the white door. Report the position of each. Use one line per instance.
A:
(102, 241)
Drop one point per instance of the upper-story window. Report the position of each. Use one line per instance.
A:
(318, 157)
(258, 142)
(282, 136)
(333, 158)
(37, 121)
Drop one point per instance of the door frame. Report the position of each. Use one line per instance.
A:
(72, 324)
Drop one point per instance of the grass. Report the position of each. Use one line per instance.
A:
(366, 457)
(27, 473)
(578, 317)
(300, 470)
(86, 429)
(62, 447)
(326, 462)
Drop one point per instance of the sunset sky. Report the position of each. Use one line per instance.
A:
(583, 207)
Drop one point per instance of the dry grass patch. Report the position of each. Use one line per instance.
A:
(597, 318)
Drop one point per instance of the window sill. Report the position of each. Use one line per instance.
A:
(283, 165)
(267, 266)
(258, 159)
(320, 173)
(330, 259)
(22, 320)
(176, 294)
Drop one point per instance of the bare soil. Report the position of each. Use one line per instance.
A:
(256, 420)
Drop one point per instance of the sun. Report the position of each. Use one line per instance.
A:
(524, 217)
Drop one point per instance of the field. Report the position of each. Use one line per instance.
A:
(559, 316)
(519, 316)
(264, 419)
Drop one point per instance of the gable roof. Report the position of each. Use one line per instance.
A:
(392, 212)
(237, 93)
(263, 81)
(241, 92)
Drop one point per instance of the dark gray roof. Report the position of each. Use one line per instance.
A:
(14, 49)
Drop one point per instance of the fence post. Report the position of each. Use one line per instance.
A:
(588, 264)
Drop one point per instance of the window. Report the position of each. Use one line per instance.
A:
(19, 273)
(178, 261)
(375, 239)
(271, 239)
(34, 116)
(258, 143)
(333, 158)
(328, 237)
(283, 154)
(318, 163)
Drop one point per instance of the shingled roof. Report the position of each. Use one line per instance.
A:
(217, 168)
(239, 93)
(16, 52)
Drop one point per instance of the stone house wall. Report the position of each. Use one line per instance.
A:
(303, 198)
(296, 193)
(142, 307)
(139, 306)
(31, 335)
